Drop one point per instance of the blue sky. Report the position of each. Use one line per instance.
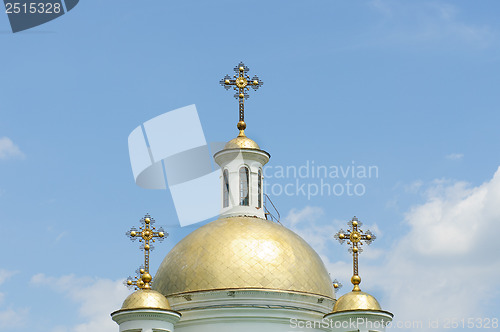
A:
(410, 87)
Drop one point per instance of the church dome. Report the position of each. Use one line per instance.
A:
(145, 299)
(241, 141)
(356, 300)
(242, 253)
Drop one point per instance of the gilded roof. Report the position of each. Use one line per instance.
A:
(146, 298)
(242, 253)
(242, 142)
(356, 300)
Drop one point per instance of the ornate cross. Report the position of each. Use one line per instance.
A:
(241, 83)
(146, 234)
(355, 238)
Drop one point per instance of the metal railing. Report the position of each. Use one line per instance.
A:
(269, 215)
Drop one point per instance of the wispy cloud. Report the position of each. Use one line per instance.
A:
(429, 21)
(56, 233)
(9, 150)
(309, 223)
(454, 156)
(413, 187)
(6, 274)
(96, 299)
(307, 214)
(305, 223)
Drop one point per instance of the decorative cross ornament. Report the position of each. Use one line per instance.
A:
(241, 83)
(136, 281)
(146, 234)
(355, 238)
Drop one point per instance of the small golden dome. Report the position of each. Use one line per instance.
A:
(356, 300)
(241, 142)
(146, 299)
(243, 253)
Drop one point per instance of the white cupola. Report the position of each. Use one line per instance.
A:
(242, 181)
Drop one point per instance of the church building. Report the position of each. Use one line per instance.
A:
(245, 272)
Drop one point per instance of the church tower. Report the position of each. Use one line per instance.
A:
(241, 160)
(241, 163)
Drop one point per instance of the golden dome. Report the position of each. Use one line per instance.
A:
(241, 142)
(356, 300)
(146, 298)
(243, 253)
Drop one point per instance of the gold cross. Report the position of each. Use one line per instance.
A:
(241, 83)
(355, 238)
(145, 234)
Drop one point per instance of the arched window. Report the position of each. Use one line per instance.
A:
(244, 194)
(259, 187)
(225, 198)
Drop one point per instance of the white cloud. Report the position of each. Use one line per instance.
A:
(10, 318)
(454, 156)
(444, 266)
(13, 318)
(8, 150)
(96, 299)
(4, 275)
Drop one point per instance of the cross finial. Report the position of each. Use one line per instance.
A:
(146, 234)
(241, 83)
(355, 238)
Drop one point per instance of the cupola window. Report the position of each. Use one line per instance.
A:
(225, 198)
(244, 194)
(259, 189)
